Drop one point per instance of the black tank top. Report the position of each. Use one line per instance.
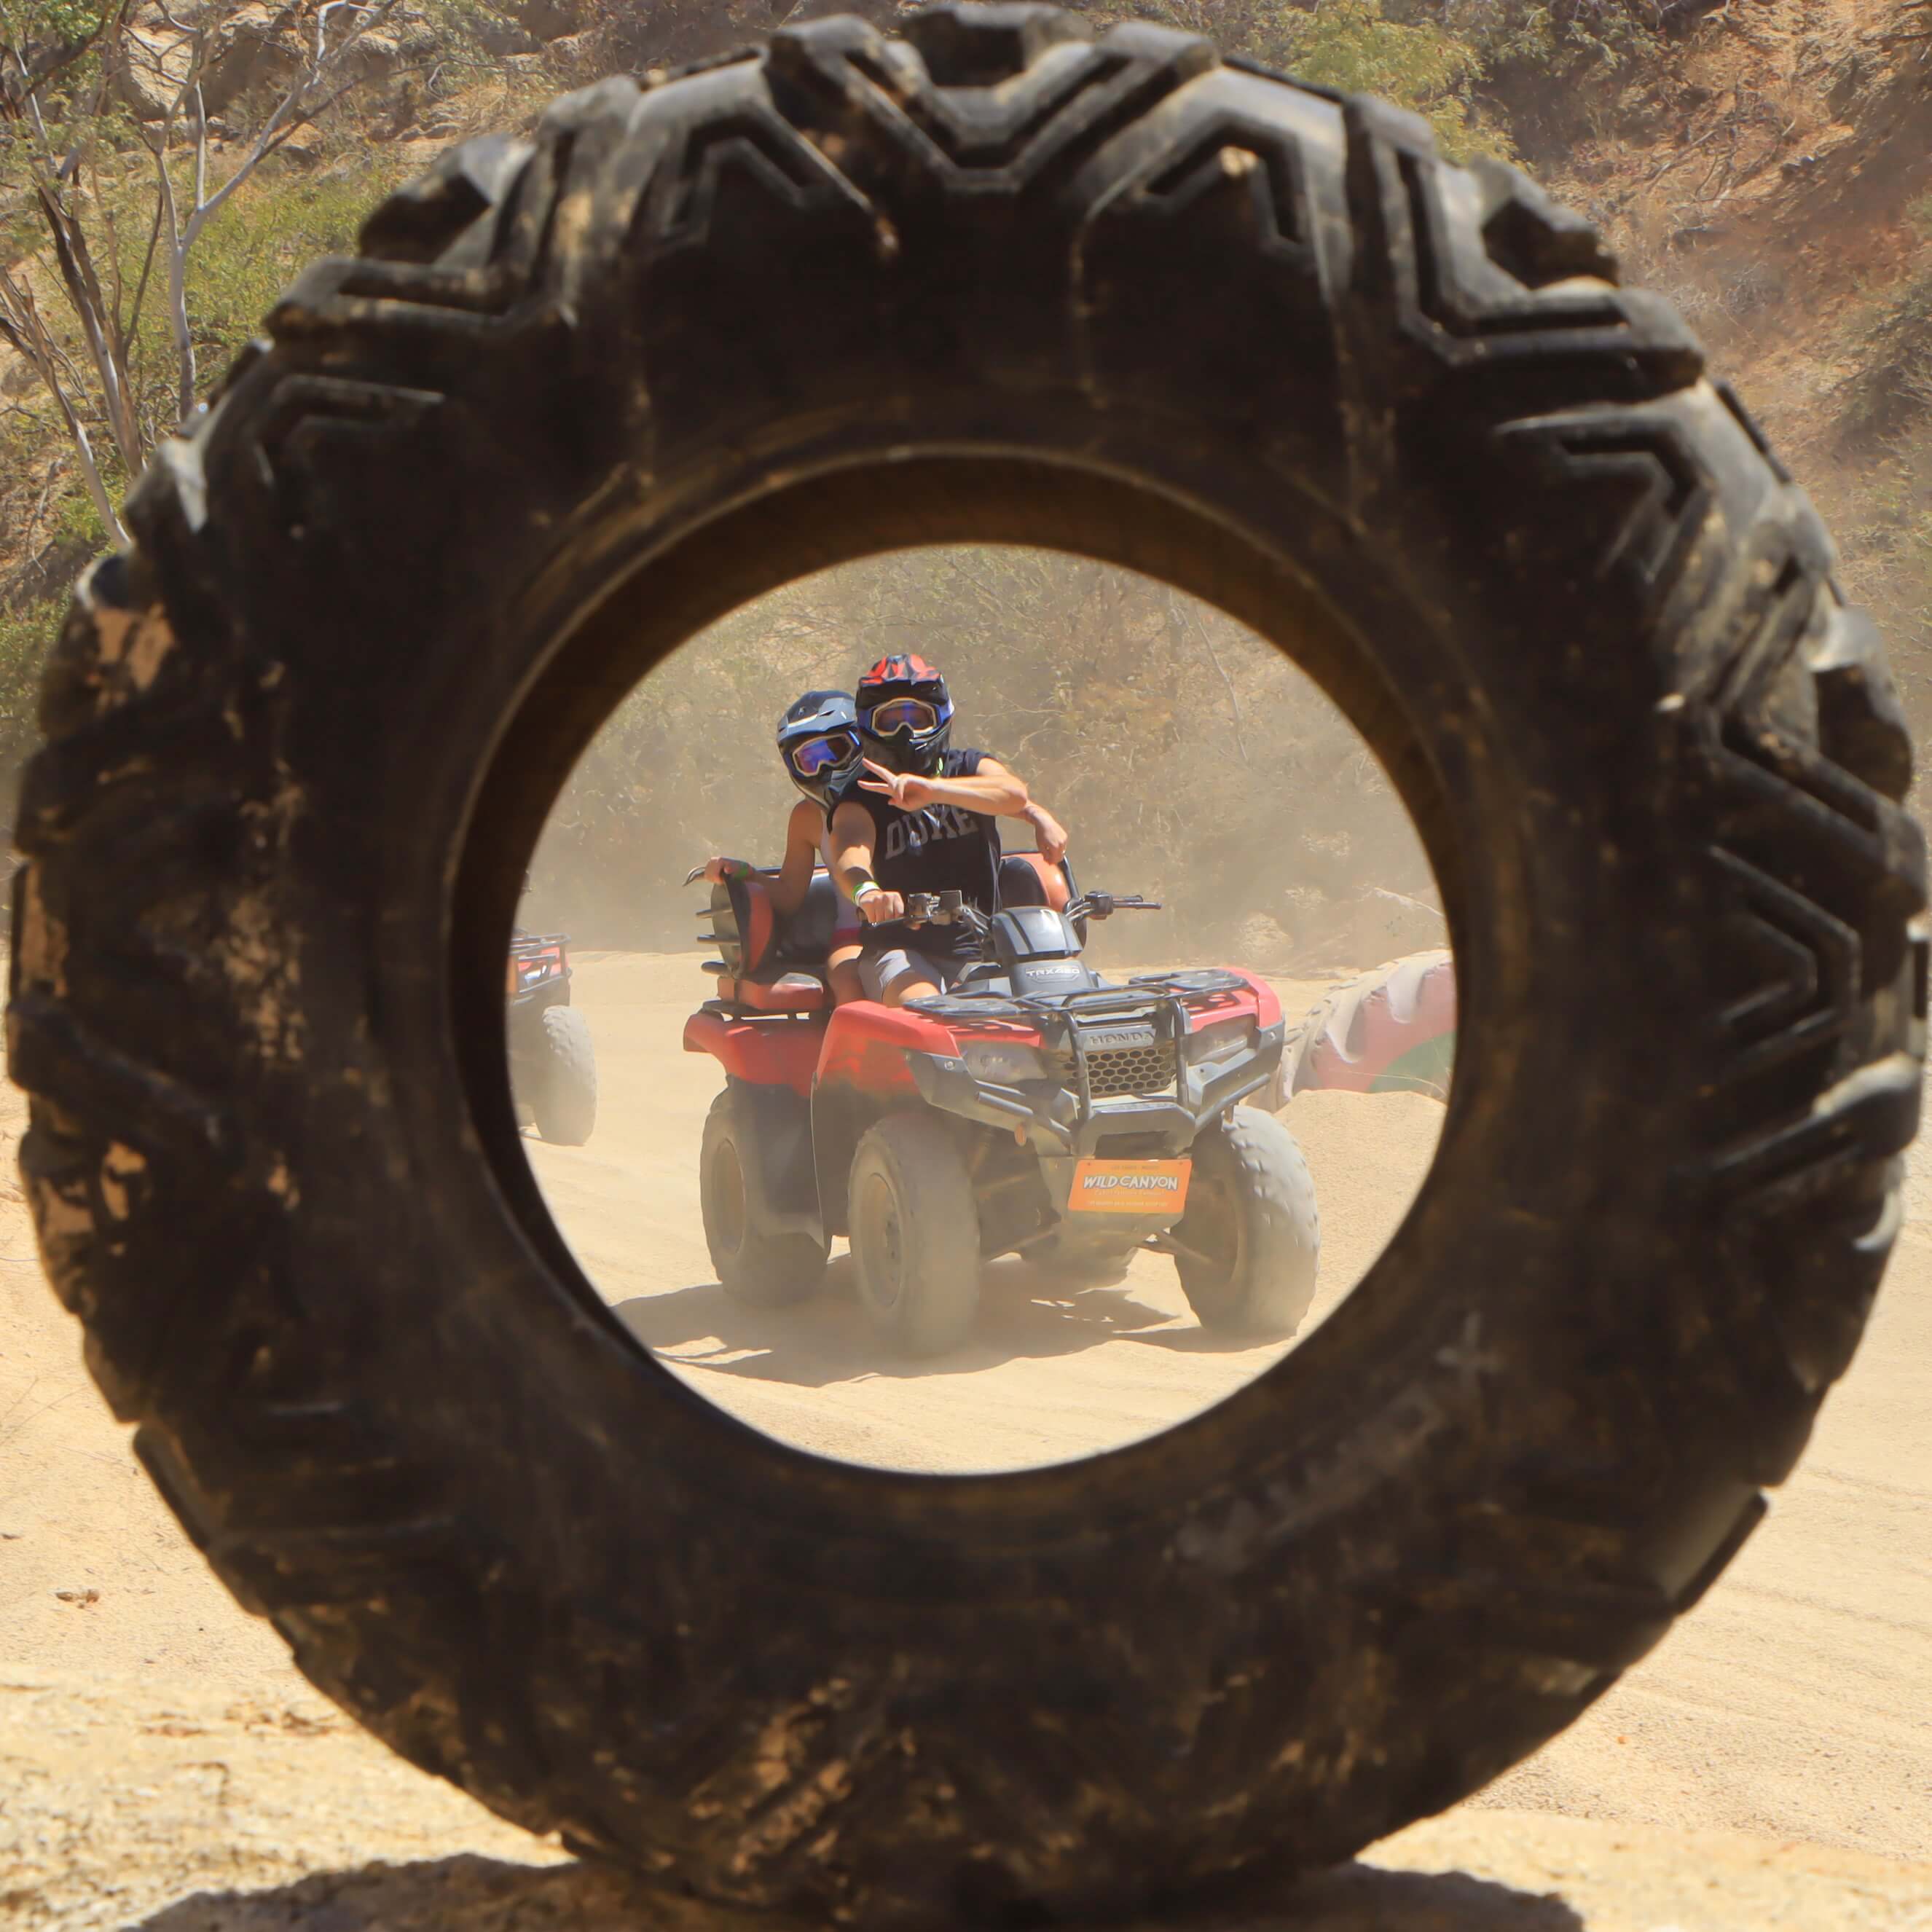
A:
(939, 848)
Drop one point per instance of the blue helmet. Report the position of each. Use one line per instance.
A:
(818, 739)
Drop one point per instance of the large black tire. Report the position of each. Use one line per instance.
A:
(915, 1234)
(1249, 1245)
(583, 394)
(563, 1094)
(757, 1267)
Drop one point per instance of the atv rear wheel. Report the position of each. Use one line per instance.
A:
(915, 1234)
(1249, 1245)
(562, 1097)
(758, 1267)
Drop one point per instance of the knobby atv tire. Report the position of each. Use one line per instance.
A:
(580, 395)
(761, 1269)
(915, 1234)
(563, 1100)
(1250, 1244)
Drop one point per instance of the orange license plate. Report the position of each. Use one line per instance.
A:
(1129, 1187)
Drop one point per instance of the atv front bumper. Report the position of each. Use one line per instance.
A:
(1050, 1118)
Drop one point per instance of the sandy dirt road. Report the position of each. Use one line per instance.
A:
(1047, 1375)
(162, 1766)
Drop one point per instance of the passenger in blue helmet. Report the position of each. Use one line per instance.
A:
(819, 747)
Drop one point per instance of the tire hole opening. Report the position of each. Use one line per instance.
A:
(1125, 1157)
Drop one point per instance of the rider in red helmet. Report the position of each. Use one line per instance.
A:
(923, 819)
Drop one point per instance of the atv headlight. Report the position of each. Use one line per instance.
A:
(1223, 1040)
(1002, 1063)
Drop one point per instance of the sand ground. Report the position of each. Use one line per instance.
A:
(162, 1767)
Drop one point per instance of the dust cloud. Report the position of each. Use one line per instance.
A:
(1188, 758)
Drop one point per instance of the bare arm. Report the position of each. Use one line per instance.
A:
(851, 842)
(801, 855)
(1048, 831)
(992, 789)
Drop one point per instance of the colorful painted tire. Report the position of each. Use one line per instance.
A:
(1390, 1031)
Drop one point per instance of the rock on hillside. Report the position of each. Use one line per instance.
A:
(244, 45)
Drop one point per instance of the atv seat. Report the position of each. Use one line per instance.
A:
(779, 989)
(775, 965)
(807, 937)
(1027, 879)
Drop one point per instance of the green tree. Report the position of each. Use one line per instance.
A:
(111, 177)
(1415, 57)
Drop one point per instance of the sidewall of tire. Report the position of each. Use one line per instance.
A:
(1279, 1231)
(762, 1271)
(565, 1098)
(916, 1157)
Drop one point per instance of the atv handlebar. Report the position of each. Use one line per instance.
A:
(951, 908)
(948, 908)
(1104, 905)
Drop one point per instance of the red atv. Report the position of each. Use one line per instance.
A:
(1036, 1108)
(552, 1070)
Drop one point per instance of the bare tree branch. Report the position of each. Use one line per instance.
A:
(73, 197)
(1214, 657)
(308, 95)
(131, 333)
(25, 330)
(76, 263)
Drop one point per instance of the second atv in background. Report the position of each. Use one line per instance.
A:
(553, 1068)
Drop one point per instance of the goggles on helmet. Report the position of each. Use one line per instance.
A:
(811, 756)
(901, 714)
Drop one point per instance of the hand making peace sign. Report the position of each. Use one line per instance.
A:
(905, 789)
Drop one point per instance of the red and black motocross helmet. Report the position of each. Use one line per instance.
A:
(906, 713)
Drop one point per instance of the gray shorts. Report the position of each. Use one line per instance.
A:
(880, 972)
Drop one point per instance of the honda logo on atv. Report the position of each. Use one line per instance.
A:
(1100, 1039)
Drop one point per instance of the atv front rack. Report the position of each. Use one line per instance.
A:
(1067, 1023)
(1083, 1002)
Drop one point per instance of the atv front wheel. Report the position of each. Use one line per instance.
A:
(563, 1094)
(1250, 1244)
(915, 1234)
(757, 1267)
